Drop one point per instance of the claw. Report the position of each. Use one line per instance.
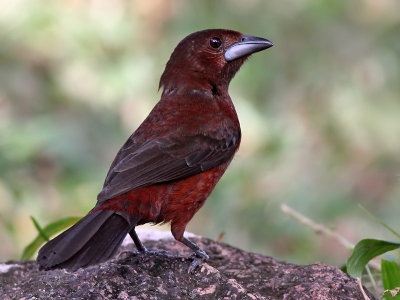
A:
(198, 257)
(124, 254)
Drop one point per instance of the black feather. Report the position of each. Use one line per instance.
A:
(94, 239)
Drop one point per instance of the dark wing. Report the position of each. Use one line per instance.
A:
(166, 159)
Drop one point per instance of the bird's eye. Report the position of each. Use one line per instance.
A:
(215, 42)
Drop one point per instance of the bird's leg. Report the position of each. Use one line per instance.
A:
(139, 245)
(199, 254)
(142, 248)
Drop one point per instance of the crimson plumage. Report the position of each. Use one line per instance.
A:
(169, 166)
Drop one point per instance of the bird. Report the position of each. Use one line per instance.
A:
(168, 167)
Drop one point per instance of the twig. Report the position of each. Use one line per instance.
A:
(362, 289)
(318, 228)
(372, 279)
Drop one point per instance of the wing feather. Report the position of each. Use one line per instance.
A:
(167, 159)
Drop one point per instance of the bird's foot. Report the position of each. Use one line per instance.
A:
(198, 257)
(126, 253)
(145, 251)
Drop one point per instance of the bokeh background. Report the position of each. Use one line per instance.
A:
(320, 114)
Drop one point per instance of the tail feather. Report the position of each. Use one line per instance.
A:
(95, 238)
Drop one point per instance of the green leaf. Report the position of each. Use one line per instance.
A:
(343, 268)
(390, 277)
(39, 229)
(364, 251)
(46, 232)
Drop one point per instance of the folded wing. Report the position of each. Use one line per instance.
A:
(167, 159)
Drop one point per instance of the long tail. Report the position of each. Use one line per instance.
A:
(94, 239)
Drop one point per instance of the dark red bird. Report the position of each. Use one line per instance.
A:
(171, 163)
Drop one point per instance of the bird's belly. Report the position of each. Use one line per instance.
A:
(187, 196)
(174, 201)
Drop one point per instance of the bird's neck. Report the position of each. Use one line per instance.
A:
(185, 84)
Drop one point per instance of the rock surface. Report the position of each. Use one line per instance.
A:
(229, 274)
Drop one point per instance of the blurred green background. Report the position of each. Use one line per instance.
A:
(320, 114)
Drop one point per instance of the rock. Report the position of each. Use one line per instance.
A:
(229, 274)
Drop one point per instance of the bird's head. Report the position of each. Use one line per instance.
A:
(209, 59)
